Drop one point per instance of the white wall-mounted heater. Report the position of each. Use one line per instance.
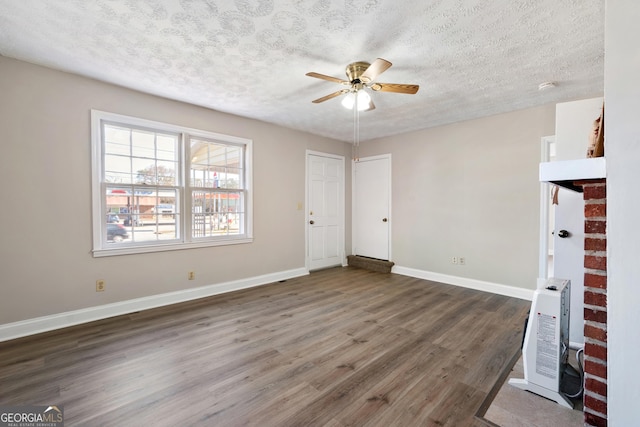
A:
(545, 349)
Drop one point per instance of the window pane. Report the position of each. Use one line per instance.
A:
(166, 146)
(197, 177)
(115, 148)
(145, 215)
(204, 177)
(167, 215)
(145, 171)
(215, 165)
(166, 173)
(117, 169)
(216, 213)
(158, 214)
(234, 157)
(234, 178)
(117, 140)
(142, 144)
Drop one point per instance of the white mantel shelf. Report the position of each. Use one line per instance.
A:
(565, 172)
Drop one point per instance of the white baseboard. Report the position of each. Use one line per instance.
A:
(494, 288)
(37, 325)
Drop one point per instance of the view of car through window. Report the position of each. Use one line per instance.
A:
(116, 232)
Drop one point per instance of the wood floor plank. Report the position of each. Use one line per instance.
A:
(339, 347)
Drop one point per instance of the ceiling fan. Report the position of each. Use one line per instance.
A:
(361, 75)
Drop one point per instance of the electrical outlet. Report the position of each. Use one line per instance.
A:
(100, 285)
(454, 260)
(192, 275)
(461, 260)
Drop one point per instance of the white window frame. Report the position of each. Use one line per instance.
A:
(183, 227)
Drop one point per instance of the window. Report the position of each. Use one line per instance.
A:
(159, 187)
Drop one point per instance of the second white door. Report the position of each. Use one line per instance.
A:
(371, 207)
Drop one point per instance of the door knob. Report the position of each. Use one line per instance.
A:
(384, 220)
(312, 222)
(563, 234)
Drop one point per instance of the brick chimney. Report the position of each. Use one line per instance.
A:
(595, 301)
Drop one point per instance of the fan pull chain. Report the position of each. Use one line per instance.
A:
(356, 131)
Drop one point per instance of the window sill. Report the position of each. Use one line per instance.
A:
(132, 250)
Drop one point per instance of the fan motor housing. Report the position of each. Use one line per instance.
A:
(355, 70)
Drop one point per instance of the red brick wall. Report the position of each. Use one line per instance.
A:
(595, 302)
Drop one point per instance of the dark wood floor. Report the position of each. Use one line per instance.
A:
(340, 347)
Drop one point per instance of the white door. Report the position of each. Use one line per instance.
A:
(371, 207)
(325, 214)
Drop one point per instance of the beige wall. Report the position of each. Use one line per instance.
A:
(469, 189)
(46, 263)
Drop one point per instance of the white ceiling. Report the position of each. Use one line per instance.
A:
(471, 58)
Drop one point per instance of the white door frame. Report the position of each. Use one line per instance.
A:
(307, 260)
(353, 200)
(545, 195)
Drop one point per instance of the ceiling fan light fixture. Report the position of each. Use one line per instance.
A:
(363, 100)
(350, 100)
(361, 76)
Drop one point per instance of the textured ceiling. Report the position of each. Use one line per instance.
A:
(471, 58)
